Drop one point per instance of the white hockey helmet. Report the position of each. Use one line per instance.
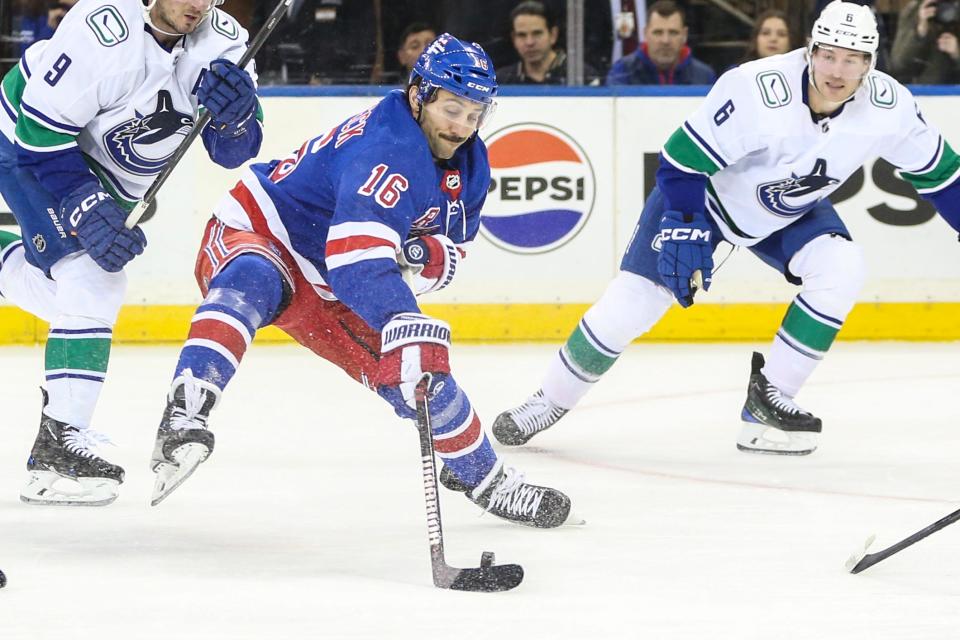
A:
(848, 25)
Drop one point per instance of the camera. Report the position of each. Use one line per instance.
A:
(948, 12)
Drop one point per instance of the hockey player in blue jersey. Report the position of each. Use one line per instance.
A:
(88, 120)
(314, 244)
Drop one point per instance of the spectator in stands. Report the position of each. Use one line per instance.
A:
(413, 41)
(925, 50)
(664, 57)
(771, 35)
(534, 32)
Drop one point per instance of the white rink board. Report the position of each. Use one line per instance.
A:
(906, 263)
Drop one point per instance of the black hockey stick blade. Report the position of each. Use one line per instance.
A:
(141, 207)
(488, 577)
(862, 560)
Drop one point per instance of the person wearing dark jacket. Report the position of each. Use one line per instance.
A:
(534, 32)
(664, 57)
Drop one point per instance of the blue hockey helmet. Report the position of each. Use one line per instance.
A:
(464, 69)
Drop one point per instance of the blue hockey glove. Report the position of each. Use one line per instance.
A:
(97, 220)
(228, 93)
(685, 249)
(432, 260)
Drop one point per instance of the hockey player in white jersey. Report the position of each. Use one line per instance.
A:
(753, 166)
(89, 118)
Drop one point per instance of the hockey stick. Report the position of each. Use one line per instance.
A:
(863, 560)
(486, 577)
(141, 207)
(696, 282)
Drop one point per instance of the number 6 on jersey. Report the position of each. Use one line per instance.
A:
(390, 189)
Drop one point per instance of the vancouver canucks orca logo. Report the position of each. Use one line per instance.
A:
(790, 196)
(142, 145)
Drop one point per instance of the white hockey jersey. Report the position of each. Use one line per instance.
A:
(769, 162)
(104, 83)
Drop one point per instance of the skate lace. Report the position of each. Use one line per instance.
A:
(512, 495)
(780, 401)
(187, 417)
(82, 442)
(536, 414)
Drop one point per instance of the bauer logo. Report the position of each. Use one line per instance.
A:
(542, 189)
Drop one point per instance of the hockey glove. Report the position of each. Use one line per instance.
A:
(228, 93)
(97, 221)
(411, 344)
(685, 249)
(432, 261)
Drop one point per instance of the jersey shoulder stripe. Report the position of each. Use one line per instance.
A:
(945, 170)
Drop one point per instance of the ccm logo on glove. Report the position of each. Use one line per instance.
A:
(85, 205)
(693, 235)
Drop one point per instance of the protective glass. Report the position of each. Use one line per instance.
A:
(465, 115)
(835, 62)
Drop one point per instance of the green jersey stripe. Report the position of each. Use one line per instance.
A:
(37, 137)
(942, 174)
(687, 154)
(107, 182)
(13, 85)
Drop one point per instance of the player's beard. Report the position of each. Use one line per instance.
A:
(167, 21)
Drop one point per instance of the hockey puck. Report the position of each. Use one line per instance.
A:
(487, 559)
(3, 580)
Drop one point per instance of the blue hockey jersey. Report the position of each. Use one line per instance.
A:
(345, 201)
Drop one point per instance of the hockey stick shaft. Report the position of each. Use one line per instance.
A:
(487, 577)
(141, 207)
(429, 468)
(871, 559)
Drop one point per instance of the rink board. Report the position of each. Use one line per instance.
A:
(576, 167)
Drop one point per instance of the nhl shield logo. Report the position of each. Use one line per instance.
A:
(40, 243)
(452, 185)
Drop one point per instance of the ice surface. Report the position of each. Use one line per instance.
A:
(308, 520)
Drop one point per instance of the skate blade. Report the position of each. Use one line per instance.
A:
(856, 557)
(761, 438)
(170, 476)
(573, 520)
(51, 489)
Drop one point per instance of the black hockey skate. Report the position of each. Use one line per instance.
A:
(772, 423)
(183, 440)
(508, 496)
(516, 426)
(64, 469)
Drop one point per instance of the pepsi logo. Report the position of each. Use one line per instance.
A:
(542, 189)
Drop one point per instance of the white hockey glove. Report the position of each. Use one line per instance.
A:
(411, 344)
(431, 260)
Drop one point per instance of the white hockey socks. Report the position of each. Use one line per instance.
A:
(629, 307)
(832, 271)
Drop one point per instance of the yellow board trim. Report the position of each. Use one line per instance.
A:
(934, 321)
